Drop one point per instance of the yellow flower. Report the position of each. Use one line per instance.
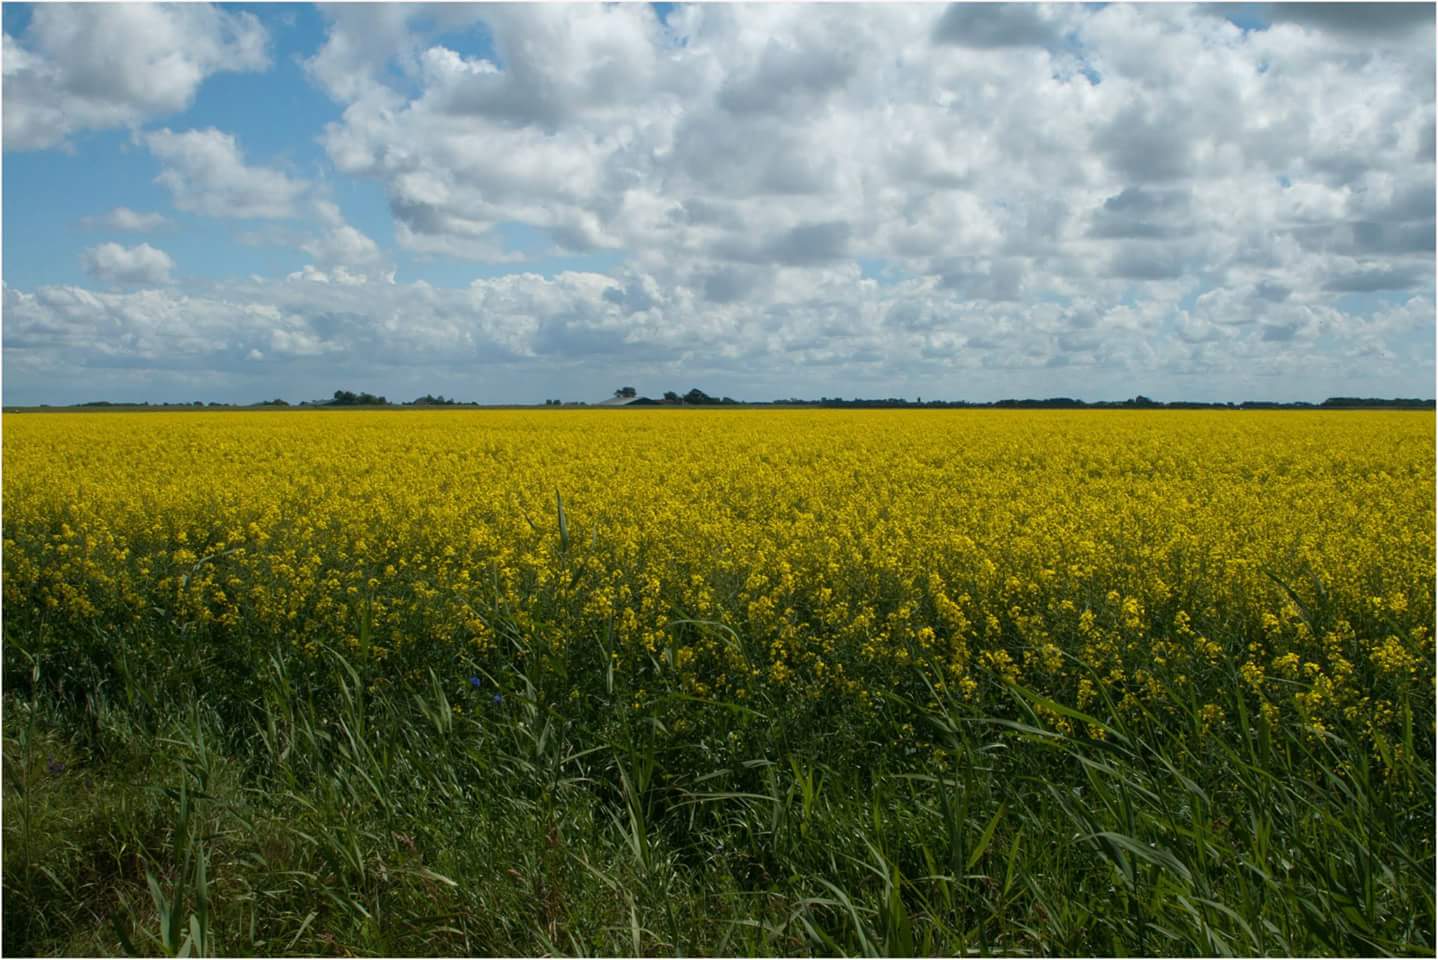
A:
(830, 553)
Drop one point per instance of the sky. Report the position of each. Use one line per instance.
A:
(514, 203)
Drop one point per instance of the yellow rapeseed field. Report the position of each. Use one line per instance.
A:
(1110, 561)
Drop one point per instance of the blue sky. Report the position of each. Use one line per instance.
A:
(250, 200)
(276, 114)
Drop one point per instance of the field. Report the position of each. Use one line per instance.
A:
(719, 682)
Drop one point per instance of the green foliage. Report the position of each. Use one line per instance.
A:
(348, 398)
(177, 806)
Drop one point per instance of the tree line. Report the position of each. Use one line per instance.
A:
(696, 397)
(1135, 403)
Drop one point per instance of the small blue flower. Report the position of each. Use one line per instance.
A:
(498, 699)
(476, 682)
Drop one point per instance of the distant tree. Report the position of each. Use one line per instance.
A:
(346, 398)
(1402, 402)
(626, 393)
(698, 397)
(671, 397)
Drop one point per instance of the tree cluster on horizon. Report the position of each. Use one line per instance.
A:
(697, 397)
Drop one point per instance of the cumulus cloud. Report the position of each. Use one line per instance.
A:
(142, 264)
(123, 218)
(1000, 157)
(338, 243)
(1392, 20)
(84, 67)
(342, 244)
(338, 275)
(364, 37)
(206, 173)
(1000, 25)
(972, 199)
(726, 138)
(820, 327)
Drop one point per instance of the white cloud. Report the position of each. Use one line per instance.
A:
(805, 199)
(736, 137)
(142, 264)
(123, 218)
(1383, 23)
(338, 243)
(338, 275)
(206, 173)
(817, 331)
(84, 67)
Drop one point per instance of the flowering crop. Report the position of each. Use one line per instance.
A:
(1111, 562)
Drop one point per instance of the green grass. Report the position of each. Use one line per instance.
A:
(212, 803)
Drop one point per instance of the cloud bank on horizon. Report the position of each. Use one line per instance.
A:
(509, 203)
